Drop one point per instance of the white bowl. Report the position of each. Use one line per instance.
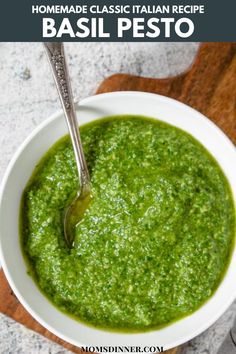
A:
(18, 173)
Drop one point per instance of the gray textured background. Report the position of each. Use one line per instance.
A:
(28, 96)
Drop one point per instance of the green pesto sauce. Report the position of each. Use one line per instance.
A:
(156, 239)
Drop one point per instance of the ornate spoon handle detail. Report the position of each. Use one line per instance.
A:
(56, 57)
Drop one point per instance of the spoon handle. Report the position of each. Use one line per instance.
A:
(56, 56)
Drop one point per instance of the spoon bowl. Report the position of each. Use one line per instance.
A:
(74, 214)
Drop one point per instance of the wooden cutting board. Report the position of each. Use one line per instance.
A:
(209, 85)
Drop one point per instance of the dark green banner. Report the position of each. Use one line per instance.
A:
(61, 20)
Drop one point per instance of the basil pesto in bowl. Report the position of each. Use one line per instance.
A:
(153, 261)
(156, 239)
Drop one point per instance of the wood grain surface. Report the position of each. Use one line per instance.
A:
(209, 86)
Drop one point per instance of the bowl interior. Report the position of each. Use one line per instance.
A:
(18, 173)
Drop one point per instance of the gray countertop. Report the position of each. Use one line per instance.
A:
(28, 96)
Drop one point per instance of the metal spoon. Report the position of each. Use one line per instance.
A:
(75, 211)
